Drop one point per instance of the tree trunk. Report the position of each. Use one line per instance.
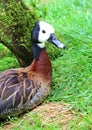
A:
(23, 56)
(16, 23)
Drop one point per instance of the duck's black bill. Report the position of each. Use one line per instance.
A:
(56, 42)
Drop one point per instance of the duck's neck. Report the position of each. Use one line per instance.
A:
(41, 63)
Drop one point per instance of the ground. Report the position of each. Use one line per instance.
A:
(48, 113)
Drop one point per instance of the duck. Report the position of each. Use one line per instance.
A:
(22, 89)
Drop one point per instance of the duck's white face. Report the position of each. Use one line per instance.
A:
(45, 31)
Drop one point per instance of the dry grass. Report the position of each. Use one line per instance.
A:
(53, 112)
(49, 113)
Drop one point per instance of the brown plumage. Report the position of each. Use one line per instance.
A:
(23, 89)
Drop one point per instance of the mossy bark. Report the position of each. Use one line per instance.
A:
(16, 23)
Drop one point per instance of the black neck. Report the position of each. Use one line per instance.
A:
(36, 50)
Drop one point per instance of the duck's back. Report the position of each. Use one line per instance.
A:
(20, 92)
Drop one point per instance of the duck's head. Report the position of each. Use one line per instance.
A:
(43, 32)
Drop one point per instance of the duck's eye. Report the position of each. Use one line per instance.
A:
(43, 31)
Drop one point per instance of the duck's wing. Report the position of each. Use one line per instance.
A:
(19, 93)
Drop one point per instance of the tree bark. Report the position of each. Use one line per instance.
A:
(16, 23)
(23, 56)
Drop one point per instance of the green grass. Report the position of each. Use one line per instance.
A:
(7, 60)
(72, 72)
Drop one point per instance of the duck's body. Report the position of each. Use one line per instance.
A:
(23, 89)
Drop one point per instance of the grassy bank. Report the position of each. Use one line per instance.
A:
(72, 72)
